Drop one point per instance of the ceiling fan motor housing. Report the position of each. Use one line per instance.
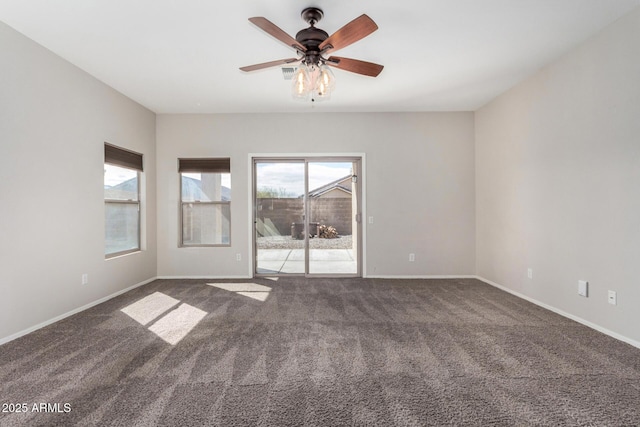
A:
(311, 37)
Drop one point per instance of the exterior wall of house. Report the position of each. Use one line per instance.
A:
(433, 152)
(557, 179)
(54, 121)
(334, 194)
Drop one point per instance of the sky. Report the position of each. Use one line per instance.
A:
(114, 175)
(290, 176)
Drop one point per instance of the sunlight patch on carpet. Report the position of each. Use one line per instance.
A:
(178, 323)
(260, 296)
(150, 307)
(250, 290)
(172, 326)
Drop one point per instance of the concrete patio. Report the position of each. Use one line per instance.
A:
(321, 261)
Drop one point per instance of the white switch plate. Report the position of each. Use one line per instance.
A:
(583, 288)
(85, 278)
(370, 220)
(238, 257)
(530, 273)
(612, 298)
(412, 257)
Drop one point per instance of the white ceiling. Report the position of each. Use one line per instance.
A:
(183, 56)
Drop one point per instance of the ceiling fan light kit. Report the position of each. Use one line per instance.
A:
(312, 81)
(313, 78)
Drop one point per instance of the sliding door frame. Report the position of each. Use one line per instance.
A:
(358, 161)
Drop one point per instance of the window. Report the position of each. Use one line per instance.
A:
(122, 170)
(205, 198)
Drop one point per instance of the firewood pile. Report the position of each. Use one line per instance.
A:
(327, 232)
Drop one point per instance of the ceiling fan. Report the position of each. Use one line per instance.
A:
(313, 77)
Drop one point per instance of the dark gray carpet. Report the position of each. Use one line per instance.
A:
(323, 352)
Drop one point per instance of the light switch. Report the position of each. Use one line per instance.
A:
(583, 288)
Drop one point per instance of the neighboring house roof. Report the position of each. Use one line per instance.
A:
(192, 190)
(342, 184)
(124, 191)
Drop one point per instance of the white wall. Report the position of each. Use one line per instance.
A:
(558, 179)
(419, 183)
(54, 120)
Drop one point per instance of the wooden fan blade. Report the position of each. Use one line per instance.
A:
(355, 30)
(355, 66)
(273, 30)
(255, 67)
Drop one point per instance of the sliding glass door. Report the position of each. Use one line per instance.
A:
(306, 216)
(279, 217)
(333, 249)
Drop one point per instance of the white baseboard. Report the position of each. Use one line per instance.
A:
(563, 313)
(72, 312)
(203, 277)
(444, 276)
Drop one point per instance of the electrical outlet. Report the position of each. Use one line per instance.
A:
(412, 257)
(85, 279)
(530, 273)
(583, 288)
(238, 257)
(612, 298)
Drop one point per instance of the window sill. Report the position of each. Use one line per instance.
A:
(121, 254)
(204, 246)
